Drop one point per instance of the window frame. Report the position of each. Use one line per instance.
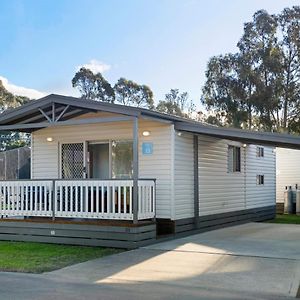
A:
(111, 158)
(235, 160)
(260, 179)
(260, 152)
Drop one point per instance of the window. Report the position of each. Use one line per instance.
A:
(122, 159)
(260, 179)
(260, 152)
(234, 159)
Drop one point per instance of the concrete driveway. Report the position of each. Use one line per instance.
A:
(251, 261)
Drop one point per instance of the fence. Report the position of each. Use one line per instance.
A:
(15, 164)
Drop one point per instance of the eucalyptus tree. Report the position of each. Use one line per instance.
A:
(93, 86)
(128, 92)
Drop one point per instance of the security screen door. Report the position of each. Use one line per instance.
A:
(72, 161)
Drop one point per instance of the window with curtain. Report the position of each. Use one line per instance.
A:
(122, 159)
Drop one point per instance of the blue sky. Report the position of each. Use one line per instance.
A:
(162, 43)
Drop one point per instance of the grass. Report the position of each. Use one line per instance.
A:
(286, 219)
(37, 257)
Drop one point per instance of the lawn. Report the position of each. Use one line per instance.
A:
(38, 257)
(286, 219)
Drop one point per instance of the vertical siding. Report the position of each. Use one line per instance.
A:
(288, 171)
(184, 176)
(45, 155)
(260, 195)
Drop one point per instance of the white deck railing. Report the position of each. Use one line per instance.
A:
(26, 198)
(95, 199)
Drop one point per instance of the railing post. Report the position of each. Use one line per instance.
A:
(53, 200)
(135, 169)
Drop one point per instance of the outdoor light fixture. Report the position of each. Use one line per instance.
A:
(146, 133)
(245, 145)
(179, 133)
(49, 139)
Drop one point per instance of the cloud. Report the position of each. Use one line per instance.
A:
(20, 90)
(96, 66)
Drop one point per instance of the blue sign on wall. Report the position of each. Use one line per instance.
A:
(147, 148)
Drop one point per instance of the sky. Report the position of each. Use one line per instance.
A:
(161, 43)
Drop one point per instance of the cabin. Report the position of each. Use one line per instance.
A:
(110, 175)
(287, 175)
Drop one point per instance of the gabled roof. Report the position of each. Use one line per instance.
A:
(13, 116)
(33, 115)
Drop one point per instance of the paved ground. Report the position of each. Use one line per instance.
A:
(252, 261)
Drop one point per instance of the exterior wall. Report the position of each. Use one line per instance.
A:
(221, 191)
(287, 172)
(184, 176)
(46, 161)
(172, 165)
(260, 195)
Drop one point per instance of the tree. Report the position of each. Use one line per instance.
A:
(289, 25)
(258, 87)
(259, 46)
(10, 140)
(176, 103)
(222, 90)
(93, 86)
(128, 92)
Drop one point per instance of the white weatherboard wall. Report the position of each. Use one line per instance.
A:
(287, 171)
(184, 176)
(46, 161)
(260, 195)
(221, 191)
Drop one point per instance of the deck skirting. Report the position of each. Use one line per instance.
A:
(217, 221)
(77, 234)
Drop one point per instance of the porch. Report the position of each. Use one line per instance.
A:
(88, 199)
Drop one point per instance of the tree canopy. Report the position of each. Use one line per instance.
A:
(127, 92)
(259, 86)
(12, 139)
(176, 103)
(93, 86)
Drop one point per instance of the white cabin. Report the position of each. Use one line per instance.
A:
(135, 168)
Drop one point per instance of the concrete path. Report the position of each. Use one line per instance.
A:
(251, 261)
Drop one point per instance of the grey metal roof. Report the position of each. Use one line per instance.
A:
(23, 116)
(241, 135)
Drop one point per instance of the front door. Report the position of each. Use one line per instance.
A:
(99, 161)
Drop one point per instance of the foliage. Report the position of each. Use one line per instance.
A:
(37, 257)
(176, 103)
(258, 87)
(129, 92)
(11, 140)
(93, 86)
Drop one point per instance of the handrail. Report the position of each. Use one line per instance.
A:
(67, 179)
(77, 198)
